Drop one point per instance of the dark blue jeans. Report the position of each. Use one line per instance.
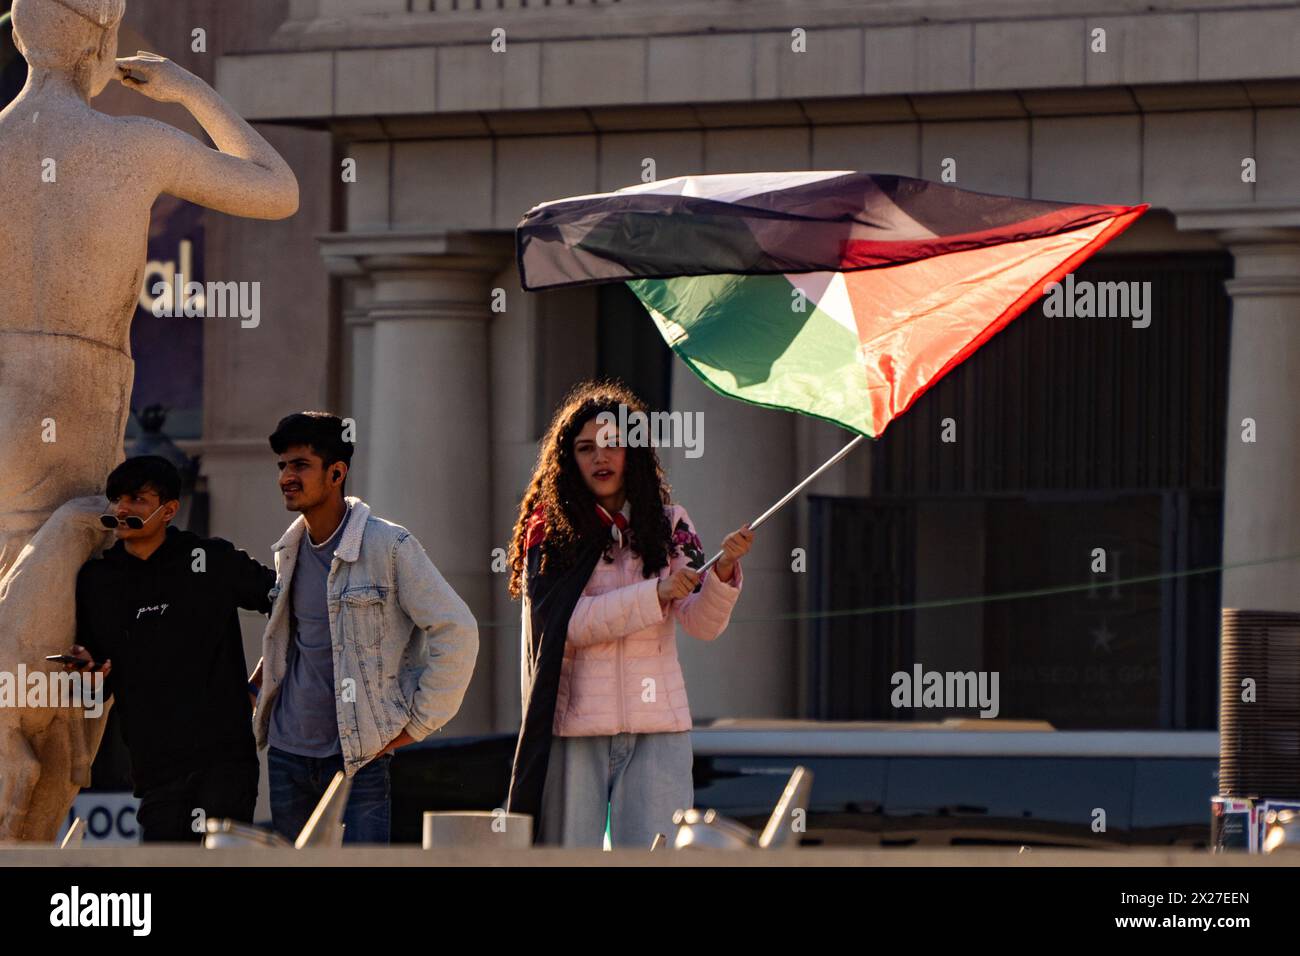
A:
(298, 783)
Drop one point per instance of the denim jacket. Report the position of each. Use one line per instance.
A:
(404, 641)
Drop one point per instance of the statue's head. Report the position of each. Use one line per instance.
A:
(76, 37)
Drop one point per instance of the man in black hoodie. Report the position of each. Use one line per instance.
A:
(160, 610)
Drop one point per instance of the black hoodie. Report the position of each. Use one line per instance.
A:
(170, 625)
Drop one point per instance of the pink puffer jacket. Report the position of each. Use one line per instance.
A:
(620, 671)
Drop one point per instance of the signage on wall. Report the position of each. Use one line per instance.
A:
(169, 351)
(110, 818)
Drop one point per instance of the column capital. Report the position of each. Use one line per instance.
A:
(356, 254)
(418, 275)
(1264, 241)
(1282, 217)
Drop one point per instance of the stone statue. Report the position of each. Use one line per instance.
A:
(76, 189)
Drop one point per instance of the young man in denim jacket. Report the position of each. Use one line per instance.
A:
(367, 648)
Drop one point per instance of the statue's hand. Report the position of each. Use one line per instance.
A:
(156, 77)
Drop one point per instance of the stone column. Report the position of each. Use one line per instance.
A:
(427, 453)
(358, 372)
(1262, 477)
(516, 376)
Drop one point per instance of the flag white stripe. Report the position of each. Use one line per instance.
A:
(720, 187)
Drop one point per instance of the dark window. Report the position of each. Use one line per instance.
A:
(863, 556)
(1072, 434)
(630, 348)
(1008, 586)
(1067, 403)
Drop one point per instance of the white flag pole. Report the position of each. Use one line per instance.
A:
(788, 495)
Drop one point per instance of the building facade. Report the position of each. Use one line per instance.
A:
(423, 130)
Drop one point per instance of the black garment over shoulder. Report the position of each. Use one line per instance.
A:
(170, 625)
(551, 600)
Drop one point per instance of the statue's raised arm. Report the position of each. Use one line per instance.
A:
(244, 176)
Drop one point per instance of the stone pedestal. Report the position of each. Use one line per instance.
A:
(495, 830)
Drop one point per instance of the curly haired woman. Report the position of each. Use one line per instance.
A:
(605, 564)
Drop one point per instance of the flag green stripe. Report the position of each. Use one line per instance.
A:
(741, 335)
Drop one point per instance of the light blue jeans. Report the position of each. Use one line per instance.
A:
(639, 779)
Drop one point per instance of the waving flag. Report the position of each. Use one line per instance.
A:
(840, 295)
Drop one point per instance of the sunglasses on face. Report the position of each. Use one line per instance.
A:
(130, 521)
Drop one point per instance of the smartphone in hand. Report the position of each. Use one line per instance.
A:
(67, 659)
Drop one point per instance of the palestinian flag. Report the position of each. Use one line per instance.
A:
(840, 295)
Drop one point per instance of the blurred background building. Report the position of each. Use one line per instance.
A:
(1072, 434)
